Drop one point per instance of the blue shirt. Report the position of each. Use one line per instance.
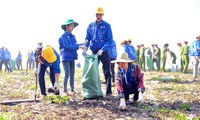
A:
(130, 50)
(19, 57)
(194, 48)
(99, 36)
(113, 50)
(6, 55)
(68, 46)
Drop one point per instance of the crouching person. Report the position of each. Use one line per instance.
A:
(129, 79)
(48, 58)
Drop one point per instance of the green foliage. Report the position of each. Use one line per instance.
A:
(163, 110)
(24, 78)
(57, 99)
(178, 116)
(185, 106)
(7, 116)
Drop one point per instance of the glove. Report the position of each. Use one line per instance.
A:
(36, 71)
(56, 86)
(100, 52)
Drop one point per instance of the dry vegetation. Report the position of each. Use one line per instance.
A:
(167, 96)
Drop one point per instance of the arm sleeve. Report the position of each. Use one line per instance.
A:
(109, 38)
(66, 43)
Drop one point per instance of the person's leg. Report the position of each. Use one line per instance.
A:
(66, 67)
(41, 75)
(112, 70)
(52, 75)
(186, 64)
(195, 66)
(72, 72)
(104, 58)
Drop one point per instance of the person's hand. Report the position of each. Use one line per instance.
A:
(83, 47)
(100, 52)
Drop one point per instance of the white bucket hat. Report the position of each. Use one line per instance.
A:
(123, 57)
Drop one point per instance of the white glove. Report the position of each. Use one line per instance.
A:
(36, 71)
(100, 52)
(56, 86)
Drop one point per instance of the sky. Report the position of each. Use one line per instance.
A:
(25, 22)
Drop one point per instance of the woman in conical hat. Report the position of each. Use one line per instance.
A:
(129, 79)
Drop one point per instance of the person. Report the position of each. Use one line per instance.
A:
(194, 52)
(142, 57)
(157, 55)
(137, 54)
(38, 51)
(153, 55)
(131, 50)
(99, 36)
(31, 61)
(172, 56)
(173, 60)
(129, 79)
(48, 57)
(19, 61)
(185, 56)
(113, 55)
(181, 53)
(68, 51)
(164, 56)
(6, 60)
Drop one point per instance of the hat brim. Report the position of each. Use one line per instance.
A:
(75, 25)
(122, 60)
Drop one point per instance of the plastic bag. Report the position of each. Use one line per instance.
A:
(91, 84)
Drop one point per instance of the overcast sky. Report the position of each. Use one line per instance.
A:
(25, 22)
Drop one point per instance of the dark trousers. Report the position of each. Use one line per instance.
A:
(112, 68)
(105, 60)
(41, 74)
(130, 88)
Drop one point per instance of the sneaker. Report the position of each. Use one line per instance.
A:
(71, 93)
(43, 97)
(122, 104)
(50, 90)
(108, 94)
(57, 92)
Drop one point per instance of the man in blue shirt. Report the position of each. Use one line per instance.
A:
(194, 52)
(19, 61)
(99, 36)
(49, 58)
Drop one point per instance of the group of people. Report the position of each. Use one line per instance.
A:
(99, 40)
(5, 58)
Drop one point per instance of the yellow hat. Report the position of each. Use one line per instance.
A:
(100, 10)
(48, 54)
(123, 41)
